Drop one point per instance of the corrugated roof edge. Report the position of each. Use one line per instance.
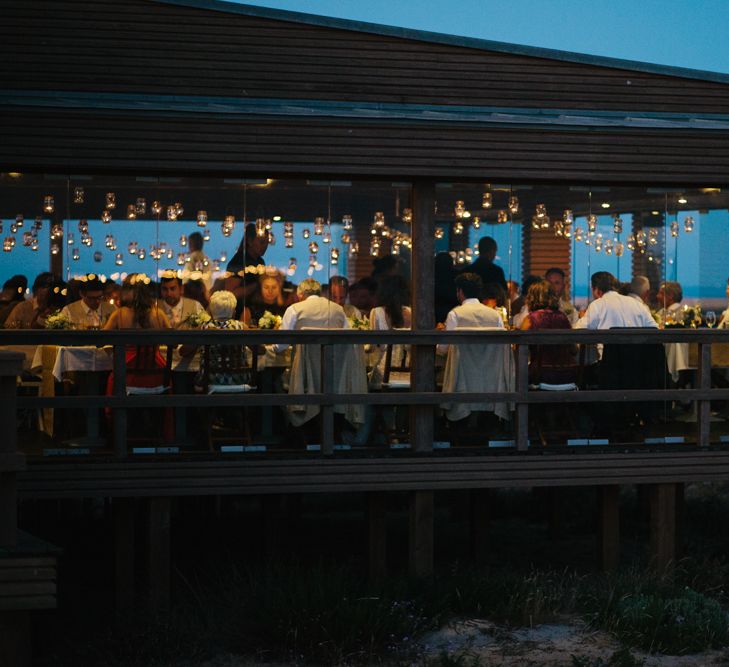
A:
(452, 40)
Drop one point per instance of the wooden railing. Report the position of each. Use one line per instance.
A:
(426, 397)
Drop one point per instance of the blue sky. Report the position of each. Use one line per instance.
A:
(682, 33)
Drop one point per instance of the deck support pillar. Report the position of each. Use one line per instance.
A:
(663, 527)
(608, 526)
(377, 524)
(124, 569)
(421, 533)
(159, 555)
(480, 517)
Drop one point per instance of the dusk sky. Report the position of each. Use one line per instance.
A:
(682, 33)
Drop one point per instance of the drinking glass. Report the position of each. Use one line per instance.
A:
(710, 318)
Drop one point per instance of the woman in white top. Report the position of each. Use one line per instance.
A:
(392, 312)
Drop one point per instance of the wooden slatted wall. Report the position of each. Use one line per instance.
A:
(542, 250)
(149, 47)
(108, 142)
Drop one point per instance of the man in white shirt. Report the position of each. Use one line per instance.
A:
(312, 311)
(610, 309)
(471, 312)
(90, 311)
(639, 290)
(338, 292)
(177, 307)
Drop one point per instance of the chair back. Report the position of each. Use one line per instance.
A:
(145, 367)
(228, 366)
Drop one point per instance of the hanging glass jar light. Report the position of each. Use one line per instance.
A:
(652, 236)
(513, 205)
(313, 247)
(288, 230)
(327, 236)
(83, 225)
(608, 247)
(476, 222)
(69, 238)
(181, 258)
(288, 241)
(55, 248)
(318, 226)
(131, 212)
(271, 238)
(487, 201)
(27, 239)
(206, 234)
(179, 210)
(106, 216)
(407, 215)
(334, 255)
(78, 195)
(688, 224)
(568, 217)
(630, 241)
(76, 255)
(641, 238)
(540, 211)
(439, 233)
(183, 241)
(142, 253)
(617, 224)
(56, 231)
(458, 228)
(536, 223)
(132, 247)
(156, 207)
(591, 224)
(374, 248)
(559, 228)
(674, 229)
(13, 228)
(202, 218)
(119, 259)
(306, 233)
(353, 249)
(459, 209)
(579, 235)
(140, 207)
(48, 204)
(502, 217)
(379, 220)
(598, 243)
(260, 227)
(347, 222)
(87, 240)
(110, 201)
(172, 213)
(545, 222)
(170, 253)
(20, 220)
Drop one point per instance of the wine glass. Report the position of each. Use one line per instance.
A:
(710, 318)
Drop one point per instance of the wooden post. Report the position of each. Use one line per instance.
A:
(608, 527)
(11, 364)
(327, 411)
(680, 514)
(522, 388)
(422, 372)
(663, 527)
(421, 533)
(124, 566)
(120, 414)
(480, 518)
(703, 424)
(377, 523)
(159, 555)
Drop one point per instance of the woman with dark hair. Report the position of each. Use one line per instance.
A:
(391, 312)
(197, 290)
(32, 314)
(445, 287)
(553, 364)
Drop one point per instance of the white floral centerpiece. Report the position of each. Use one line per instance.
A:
(58, 321)
(358, 323)
(269, 321)
(196, 320)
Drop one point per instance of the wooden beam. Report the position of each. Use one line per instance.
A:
(608, 526)
(522, 388)
(663, 527)
(422, 375)
(159, 555)
(124, 570)
(703, 425)
(377, 524)
(421, 533)
(10, 368)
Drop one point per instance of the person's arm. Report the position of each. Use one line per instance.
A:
(451, 323)
(113, 321)
(526, 323)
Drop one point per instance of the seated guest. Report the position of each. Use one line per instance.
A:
(471, 312)
(112, 293)
(176, 307)
(32, 313)
(338, 292)
(90, 311)
(267, 297)
(669, 298)
(639, 288)
(610, 309)
(724, 319)
(519, 309)
(13, 293)
(556, 277)
(493, 295)
(197, 291)
(362, 295)
(548, 363)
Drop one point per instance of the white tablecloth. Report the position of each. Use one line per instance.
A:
(677, 358)
(83, 358)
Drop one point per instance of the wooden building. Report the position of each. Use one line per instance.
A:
(210, 88)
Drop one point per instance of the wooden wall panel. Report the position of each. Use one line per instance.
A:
(149, 47)
(542, 250)
(33, 139)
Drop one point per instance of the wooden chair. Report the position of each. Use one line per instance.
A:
(228, 369)
(395, 378)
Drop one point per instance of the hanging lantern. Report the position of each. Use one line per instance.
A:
(541, 211)
(608, 247)
(513, 205)
(19, 220)
(379, 220)
(156, 207)
(76, 255)
(559, 228)
(206, 235)
(536, 223)
(631, 242)
(183, 241)
(27, 239)
(48, 204)
(353, 249)
(458, 228)
(502, 217)
(55, 248)
(476, 222)
(591, 224)
(318, 226)
(87, 240)
(288, 230)
(272, 239)
(78, 195)
(119, 259)
(674, 229)
(305, 233)
(172, 213)
(460, 209)
(652, 236)
(487, 200)
(170, 253)
(131, 212)
(598, 243)
(202, 218)
(69, 238)
(579, 234)
(260, 227)
(545, 222)
(327, 237)
(13, 228)
(288, 242)
(439, 233)
(56, 231)
(688, 224)
(105, 216)
(407, 215)
(313, 247)
(568, 217)
(178, 209)
(110, 201)
(140, 207)
(374, 248)
(334, 255)
(617, 224)
(142, 253)
(132, 247)
(641, 238)
(347, 222)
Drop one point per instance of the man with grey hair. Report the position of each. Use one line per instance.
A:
(639, 289)
(312, 311)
